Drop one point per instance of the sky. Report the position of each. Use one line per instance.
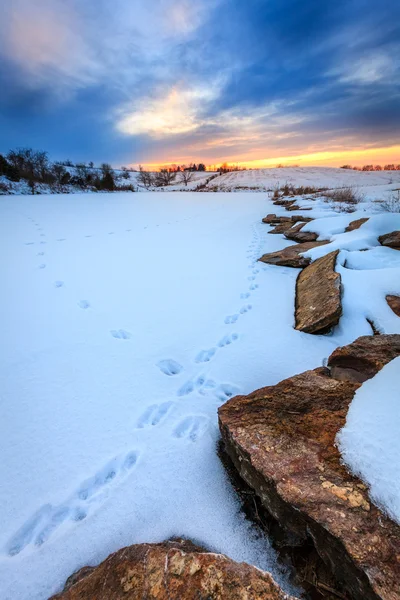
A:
(254, 82)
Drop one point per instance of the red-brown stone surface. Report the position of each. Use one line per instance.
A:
(362, 359)
(295, 234)
(391, 239)
(394, 303)
(290, 256)
(173, 570)
(356, 224)
(318, 297)
(281, 440)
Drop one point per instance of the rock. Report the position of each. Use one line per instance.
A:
(318, 304)
(290, 256)
(271, 218)
(362, 359)
(281, 440)
(283, 202)
(390, 239)
(394, 303)
(282, 227)
(173, 570)
(356, 224)
(293, 207)
(296, 235)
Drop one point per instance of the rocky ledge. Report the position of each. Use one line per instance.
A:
(281, 440)
(172, 570)
(291, 256)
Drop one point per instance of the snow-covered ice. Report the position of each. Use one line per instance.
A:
(370, 441)
(150, 311)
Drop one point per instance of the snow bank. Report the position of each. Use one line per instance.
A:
(370, 440)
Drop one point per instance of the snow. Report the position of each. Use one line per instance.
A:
(370, 442)
(127, 320)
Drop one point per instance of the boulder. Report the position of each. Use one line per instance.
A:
(356, 224)
(297, 235)
(293, 207)
(318, 303)
(173, 570)
(281, 440)
(271, 218)
(390, 239)
(282, 202)
(362, 359)
(394, 303)
(291, 256)
(282, 226)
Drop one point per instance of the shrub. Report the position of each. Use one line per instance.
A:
(392, 203)
(346, 195)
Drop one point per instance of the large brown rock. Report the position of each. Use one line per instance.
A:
(318, 303)
(295, 234)
(173, 570)
(394, 303)
(356, 224)
(390, 239)
(362, 359)
(291, 256)
(281, 227)
(281, 440)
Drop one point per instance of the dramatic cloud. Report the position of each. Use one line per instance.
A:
(173, 80)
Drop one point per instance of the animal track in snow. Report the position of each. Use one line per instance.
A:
(245, 295)
(42, 266)
(45, 521)
(29, 243)
(110, 233)
(253, 286)
(43, 243)
(207, 386)
(205, 355)
(40, 254)
(251, 278)
(61, 239)
(42, 235)
(192, 428)
(228, 339)
(225, 391)
(231, 319)
(169, 367)
(245, 309)
(58, 284)
(88, 236)
(187, 388)
(120, 334)
(83, 304)
(154, 414)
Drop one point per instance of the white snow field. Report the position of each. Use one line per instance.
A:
(370, 441)
(126, 320)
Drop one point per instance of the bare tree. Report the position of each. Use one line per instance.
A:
(145, 177)
(164, 177)
(186, 176)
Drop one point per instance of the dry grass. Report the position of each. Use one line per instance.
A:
(392, 203)
(345, 195)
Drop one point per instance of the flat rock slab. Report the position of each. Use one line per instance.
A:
(284, 202)
(394, 303)
(173, 570)
(296, 234)
(318, 304)
(356, 224)
(390, 239)
(281, 440)
(362, 359)
(291, 256)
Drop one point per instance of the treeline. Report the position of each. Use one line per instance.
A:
(391, 167)
(35, 167)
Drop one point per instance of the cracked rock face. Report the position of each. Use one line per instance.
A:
(291, 256)
(318, 296)
(172, 570)
(281, 439)
(362, 359)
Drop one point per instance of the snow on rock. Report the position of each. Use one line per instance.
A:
(370, 441)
